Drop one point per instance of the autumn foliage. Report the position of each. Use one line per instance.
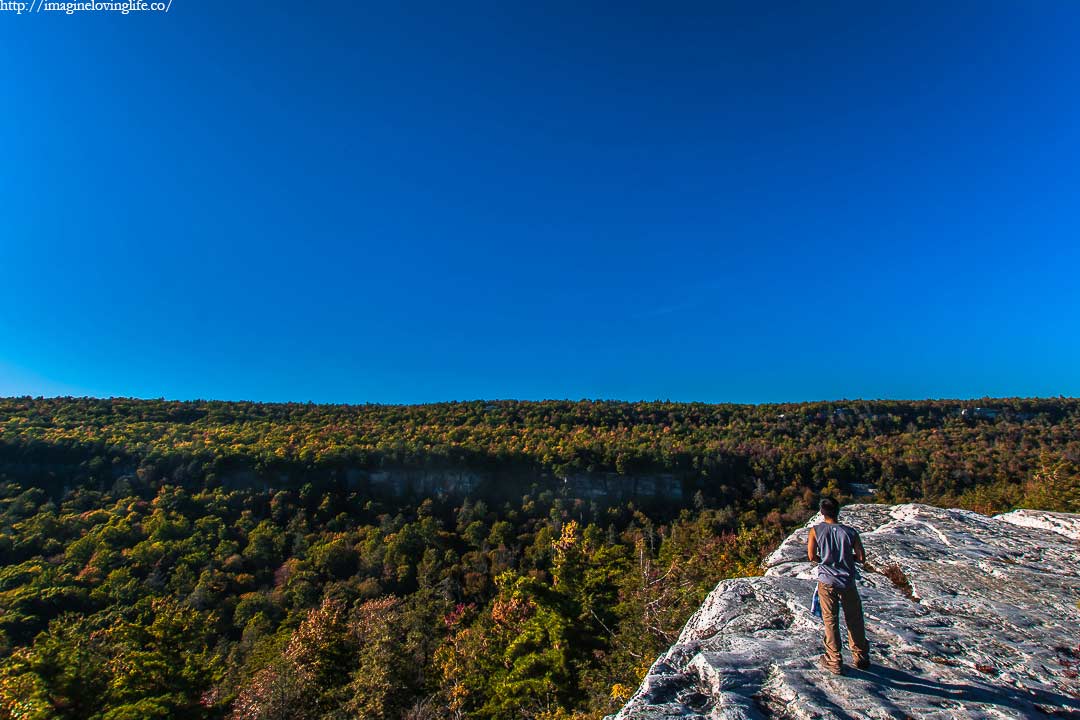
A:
(214, 560)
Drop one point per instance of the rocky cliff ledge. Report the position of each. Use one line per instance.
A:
(968, 616)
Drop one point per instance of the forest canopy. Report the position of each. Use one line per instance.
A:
(907, 449)
(234, 560)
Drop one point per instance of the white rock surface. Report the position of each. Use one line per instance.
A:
(991, 630)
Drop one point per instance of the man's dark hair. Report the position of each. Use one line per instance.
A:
(829, 508)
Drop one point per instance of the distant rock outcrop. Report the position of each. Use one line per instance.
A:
(461, 482)
(968, 616)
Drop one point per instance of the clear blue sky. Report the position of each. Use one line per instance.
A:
(409, 202)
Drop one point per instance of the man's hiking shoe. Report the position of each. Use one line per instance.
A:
(863, 664)
(834, 669)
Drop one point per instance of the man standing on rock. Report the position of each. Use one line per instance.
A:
(837, 548)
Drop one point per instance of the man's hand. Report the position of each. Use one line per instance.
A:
(811, 546)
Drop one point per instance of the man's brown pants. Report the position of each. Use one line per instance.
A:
(832, 599)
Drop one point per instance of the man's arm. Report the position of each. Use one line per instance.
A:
(860, 554)
(811, 546)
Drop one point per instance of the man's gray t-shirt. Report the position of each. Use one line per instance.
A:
(836, 548)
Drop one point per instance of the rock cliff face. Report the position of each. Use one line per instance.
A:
(968, 616)
(663, 488)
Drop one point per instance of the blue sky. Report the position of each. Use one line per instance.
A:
(411, 202)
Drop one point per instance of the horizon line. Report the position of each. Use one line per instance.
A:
(997, 398)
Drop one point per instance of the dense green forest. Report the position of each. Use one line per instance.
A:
(237, 560)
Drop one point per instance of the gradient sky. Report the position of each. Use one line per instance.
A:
(414, 201)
